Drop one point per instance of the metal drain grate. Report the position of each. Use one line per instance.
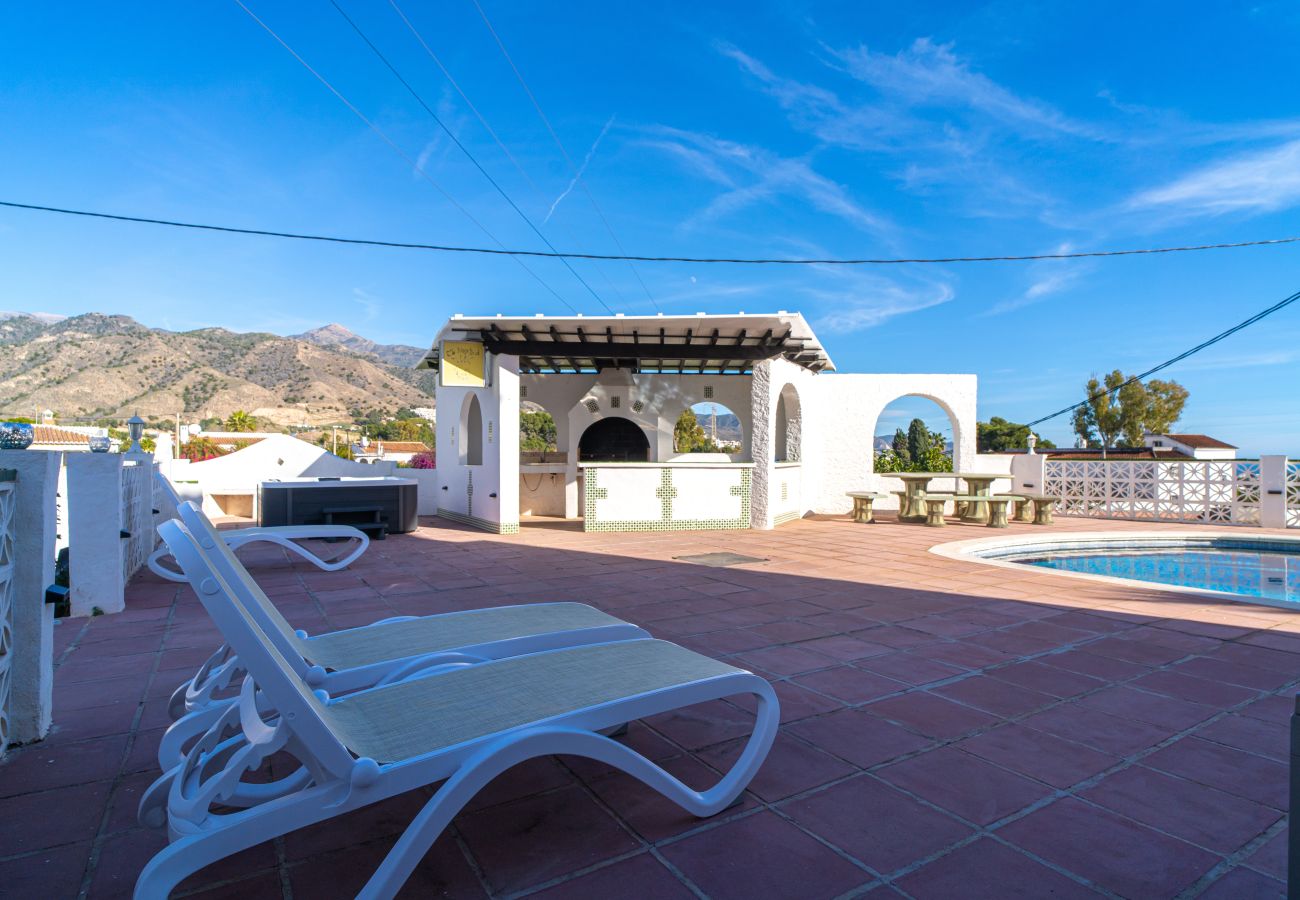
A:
(720, 560)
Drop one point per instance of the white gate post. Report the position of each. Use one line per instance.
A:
(1027, 473)
(95, 533)
(1272, 491)
(31, 671)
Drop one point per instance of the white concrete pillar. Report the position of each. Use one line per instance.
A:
(1027, 473)
(1272, 491)
(31, 669)
(95, 533)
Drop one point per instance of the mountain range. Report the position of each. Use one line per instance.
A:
(97, 365)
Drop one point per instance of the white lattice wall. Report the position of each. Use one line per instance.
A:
(7, 518)
(1293, 495)
(1223, 492)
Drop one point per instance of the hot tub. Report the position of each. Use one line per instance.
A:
(378, 505)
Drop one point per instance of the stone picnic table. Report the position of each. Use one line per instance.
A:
(913, 508)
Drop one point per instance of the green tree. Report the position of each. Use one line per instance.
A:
(997, 435)
(900, 448)
(1120, 410)
(240, 421)
(918, 441)
(536, 430)
(689, 435)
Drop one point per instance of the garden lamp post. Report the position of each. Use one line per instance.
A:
(135, 428)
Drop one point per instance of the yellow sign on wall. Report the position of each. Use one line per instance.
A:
(462, 364)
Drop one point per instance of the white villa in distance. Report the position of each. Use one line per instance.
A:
(615, 386)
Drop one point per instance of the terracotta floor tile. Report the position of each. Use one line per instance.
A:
(1270, 858)
(930, 715)
(1046, 679)
(987, 868)
(792, 766)
(850, 684)
(47, 874)
(1200, 690)
(1233, 673)
(1253, 735)
(1154, 709)
(43, 766)
(964, 784)
(1111, 851)
(650, 814)
(734, 860)
(858, 737)
(638, 878)
(542, 837)
(993, 695)
(785, 660)
(45, 819)
(1096, 729)
(1087, 663)
(875, 823)
(1039, 755)
(341, 873)
(910, 668)
(1243, 884)
(703, 724)
(1196, 813)
(1226, 768)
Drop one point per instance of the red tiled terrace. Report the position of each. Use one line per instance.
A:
(950, 729)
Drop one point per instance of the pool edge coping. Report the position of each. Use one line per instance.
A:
(968, 551)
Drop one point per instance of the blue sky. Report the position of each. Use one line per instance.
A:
(791, 129)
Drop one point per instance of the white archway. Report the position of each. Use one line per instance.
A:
(943, 407)
(788, 435)
(470, 440)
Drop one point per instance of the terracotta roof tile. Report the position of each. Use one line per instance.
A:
(52, 434)
(1203, 441)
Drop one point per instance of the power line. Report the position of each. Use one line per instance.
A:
(1179, 358)
(751, 261)
(414, 164)
(577, 174)
(463, 149)
(415, 32)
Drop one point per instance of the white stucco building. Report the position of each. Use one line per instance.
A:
(615, 387)
(1197, 446)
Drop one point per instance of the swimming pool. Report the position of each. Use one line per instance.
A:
(1262, 570)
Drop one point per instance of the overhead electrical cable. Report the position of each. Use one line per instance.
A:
(741, 261)
(415, 32)
(573, 169)
(1262, 314)
(414, 164)
(465, 150)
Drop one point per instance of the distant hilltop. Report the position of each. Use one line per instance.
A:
(97, 365)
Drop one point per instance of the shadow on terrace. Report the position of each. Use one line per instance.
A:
(948, 729)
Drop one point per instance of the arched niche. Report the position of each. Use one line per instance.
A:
(613, 439)
(470, 439)
(730, 431)
(788, 433)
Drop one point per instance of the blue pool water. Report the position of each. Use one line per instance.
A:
(1269, 574)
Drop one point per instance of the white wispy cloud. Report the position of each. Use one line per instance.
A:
(1255, 182)
(857, 300)
(930, 74)
(371, 304)
(1046, 278)
(752, 174)
(577, 176)
(1260, 359)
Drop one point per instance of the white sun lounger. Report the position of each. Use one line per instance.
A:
(388, 650)
(462, 727)
(286, 536)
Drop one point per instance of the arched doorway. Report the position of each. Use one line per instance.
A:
(613, 439)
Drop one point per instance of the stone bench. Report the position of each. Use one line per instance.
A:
(1042, 508)
(862, 501)
(997, 506)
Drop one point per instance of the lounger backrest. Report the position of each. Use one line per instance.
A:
(246, 590)
(269, 668)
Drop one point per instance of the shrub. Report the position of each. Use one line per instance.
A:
(424, 460)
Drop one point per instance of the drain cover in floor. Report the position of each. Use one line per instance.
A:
(720, 559)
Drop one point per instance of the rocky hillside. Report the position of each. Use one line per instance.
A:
(102, 365)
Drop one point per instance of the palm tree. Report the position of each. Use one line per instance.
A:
(240, 421)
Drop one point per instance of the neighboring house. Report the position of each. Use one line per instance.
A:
(1197, 446)
(229, 440)
(387, 451)
(1110, 453)
(70, 439)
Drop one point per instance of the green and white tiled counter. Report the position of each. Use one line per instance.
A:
(674, 496)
